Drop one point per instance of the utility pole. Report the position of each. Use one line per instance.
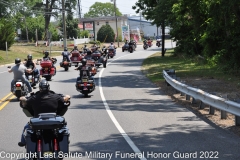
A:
(64, 25)
(79, 9)
(115, 8)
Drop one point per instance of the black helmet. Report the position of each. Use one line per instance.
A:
(29, 57)
(17, 61)
(89, 52)
(111, 42)
(84, 62)
(85, 45)
(46, 53)
(43, 85)
(75, 47)
(65, 49)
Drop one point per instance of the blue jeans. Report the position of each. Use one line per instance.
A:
(25, 81)
(68, 59)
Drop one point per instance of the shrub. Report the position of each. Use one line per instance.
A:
(105, 34)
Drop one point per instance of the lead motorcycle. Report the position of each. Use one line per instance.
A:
(47, 138)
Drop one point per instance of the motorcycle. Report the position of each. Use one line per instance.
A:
(76, 57)
(104, 57)
(20, 89)
(47, 135)
(149, 42)
(111, 52)
(131, 48)
(47, 70)
(33, 80)
(158, 43)
(65, 64)
(86, 84)
(125, 47)
(145, 45)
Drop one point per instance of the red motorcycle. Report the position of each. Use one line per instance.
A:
(47, 70)
(149, 43)
(76, 57)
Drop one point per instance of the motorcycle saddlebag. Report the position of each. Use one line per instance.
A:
(31, 142)
(52, 71)
(63, 140)
(46, 64)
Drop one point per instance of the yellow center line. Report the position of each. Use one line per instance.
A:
(5, 97)
(5, 103)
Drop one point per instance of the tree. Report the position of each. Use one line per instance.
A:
(7, 33)
(105, 34)
(99, 9)
(84, 33)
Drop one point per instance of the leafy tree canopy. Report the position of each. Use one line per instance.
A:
(99, 9)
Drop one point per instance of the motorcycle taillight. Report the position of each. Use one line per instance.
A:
(18, 85)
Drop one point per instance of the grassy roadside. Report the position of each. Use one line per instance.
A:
(184, 67)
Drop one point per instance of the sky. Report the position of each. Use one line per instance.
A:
(124, 6)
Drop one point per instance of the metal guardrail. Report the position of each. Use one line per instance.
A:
(206, 98)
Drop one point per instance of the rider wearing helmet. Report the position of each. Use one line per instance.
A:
(66, 54)
(112, 46)
(43, 101)
(75, 48)
(84, 67)
(32, 65)
(19, 73)
(46, 57)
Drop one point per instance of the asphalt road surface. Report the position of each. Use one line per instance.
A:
(126, 117)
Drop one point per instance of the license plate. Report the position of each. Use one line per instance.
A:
(18, 88)
(46, 68)
(75, 58)
(84, 80)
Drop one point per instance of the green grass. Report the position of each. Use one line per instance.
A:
(184, 67)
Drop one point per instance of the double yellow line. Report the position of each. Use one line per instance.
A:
(5, 101)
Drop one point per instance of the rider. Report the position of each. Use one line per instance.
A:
(84, 66)
(74, 49)
(43, 101)
(66, 54)
(46, 57)
(19, 73)
(89, 55)
(30, 64)
(85, 49)
(112, 46)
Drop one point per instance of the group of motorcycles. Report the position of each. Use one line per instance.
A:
(148, 43)
(94, 59)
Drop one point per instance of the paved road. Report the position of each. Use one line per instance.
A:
(124, 118)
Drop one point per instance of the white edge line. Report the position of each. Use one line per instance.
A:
(118, 126)
(3, 72)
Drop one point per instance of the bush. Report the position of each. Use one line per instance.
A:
(92, 42)
(105, 34)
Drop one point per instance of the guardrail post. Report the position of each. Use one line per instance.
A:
(201, 105)
(211, 110)
(237, 121)
(193, 100)
(223, 114)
